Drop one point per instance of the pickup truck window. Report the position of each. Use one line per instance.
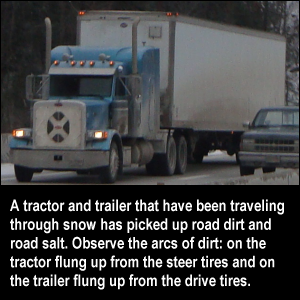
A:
(74, 86)
(277, 118)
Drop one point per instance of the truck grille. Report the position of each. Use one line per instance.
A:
(59, 126)
(275, 145)
(62, 131)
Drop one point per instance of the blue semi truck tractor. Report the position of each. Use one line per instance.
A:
(145, 88)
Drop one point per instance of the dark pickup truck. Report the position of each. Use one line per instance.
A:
(272, 141)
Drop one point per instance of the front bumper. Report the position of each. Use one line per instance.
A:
(259, 159)
(60, 160)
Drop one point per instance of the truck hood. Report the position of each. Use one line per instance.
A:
(282, 132)
(97, 114)
(97, 111)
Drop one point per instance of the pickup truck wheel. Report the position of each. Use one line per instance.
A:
(169, 159)
(181, 155)
(245, 171)
(23, 174)
(109, 174)
(268, 170)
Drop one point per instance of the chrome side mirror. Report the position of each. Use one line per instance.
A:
(247, 124)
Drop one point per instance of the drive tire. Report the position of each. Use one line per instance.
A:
(168, 163)
(181, 155)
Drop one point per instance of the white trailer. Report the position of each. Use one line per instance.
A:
(213, 77)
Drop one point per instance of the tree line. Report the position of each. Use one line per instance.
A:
(23, 37)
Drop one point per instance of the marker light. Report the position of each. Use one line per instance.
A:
(169, 14)
(92, 63)
(82, 63)
(56, 62)
(81, 13)
(73, 63)
(111, 63)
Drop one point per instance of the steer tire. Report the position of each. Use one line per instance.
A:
(109, 174)
(23, 174)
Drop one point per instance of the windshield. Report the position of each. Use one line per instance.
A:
(75, 85)
(276, 118)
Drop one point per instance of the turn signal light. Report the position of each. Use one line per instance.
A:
(100, 135)
(97, 134)
(21, 133)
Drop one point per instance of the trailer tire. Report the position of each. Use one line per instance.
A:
(181, 154)
(168, 163)
(23, 174)
(110, 173)
(245, 171)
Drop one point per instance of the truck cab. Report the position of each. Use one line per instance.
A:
(272, 141)
(90, 114)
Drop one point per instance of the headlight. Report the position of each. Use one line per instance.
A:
(97, 134)
(22, 133)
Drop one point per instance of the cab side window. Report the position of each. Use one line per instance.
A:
(120, 91)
